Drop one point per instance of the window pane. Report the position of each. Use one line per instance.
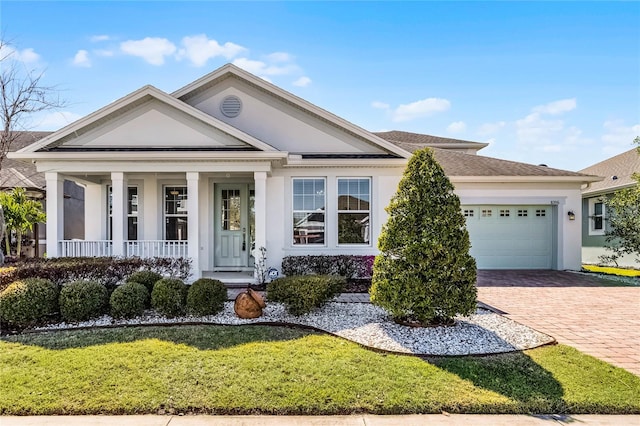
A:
(176, 228)
(597, 222)
(175, 200)
(353, 228)
(231, 210)
(132, 200)
(597, 208)
(132, 228)
(308, 228)
(353, 194)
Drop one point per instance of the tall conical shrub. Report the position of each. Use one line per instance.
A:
(424, 272)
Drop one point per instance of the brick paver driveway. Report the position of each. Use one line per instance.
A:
(594, 315)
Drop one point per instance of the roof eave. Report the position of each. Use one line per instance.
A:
(520, 179)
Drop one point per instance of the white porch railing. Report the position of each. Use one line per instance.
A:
(82, 248)
(156, 248)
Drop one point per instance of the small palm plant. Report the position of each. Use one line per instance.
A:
(20, 215)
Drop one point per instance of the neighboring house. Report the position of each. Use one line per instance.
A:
(232, 162)
(14, 173)
(617, 173)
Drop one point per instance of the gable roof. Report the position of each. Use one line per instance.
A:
(15, 173)
(230, 70)
(412, 141)
(622, 166)
(135, 98)
(460, 164)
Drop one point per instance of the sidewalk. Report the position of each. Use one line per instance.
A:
(356, 420)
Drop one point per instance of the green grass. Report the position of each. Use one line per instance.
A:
(277, 370)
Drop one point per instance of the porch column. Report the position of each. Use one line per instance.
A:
(55, 212)
(193, 222)
(261, 211)
(118, 212)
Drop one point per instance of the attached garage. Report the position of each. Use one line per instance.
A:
(512, 236)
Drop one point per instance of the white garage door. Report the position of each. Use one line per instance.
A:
(511, 237)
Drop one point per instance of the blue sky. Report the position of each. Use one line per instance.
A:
(543, 82)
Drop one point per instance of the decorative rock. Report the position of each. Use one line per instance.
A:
(246, 306)
(257, 297)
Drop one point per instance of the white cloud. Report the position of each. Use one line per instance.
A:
(199, 49)
(556, 107)
(151, 49)
(457, 127)
(422, 108)
(104, 52)
(26, 56)
(380, 105)
(618, 137)
(302, 82)
(487, 129)
(261, 69)
(57, 120)
(280, 57)
(536, 131)
(81, 59)
(100, 37)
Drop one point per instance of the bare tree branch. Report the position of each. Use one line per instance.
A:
(21, 94)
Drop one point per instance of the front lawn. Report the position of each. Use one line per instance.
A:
(278, 370)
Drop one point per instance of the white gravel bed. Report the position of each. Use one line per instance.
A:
(484, 332)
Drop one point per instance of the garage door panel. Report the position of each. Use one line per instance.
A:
(511, 242)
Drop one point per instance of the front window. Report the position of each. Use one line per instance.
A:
(354, 211)
(308, 211)
(597, 214)
(175, 212)
(132, 212)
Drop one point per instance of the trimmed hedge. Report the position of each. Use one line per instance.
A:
(169, 297)
(108, 271)
(146, 278)
(206, 297)
(349, 266)
(28, 302)
(303, 294)
(82, 300)
(129, 300)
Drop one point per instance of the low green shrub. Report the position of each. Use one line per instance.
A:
(351, 267)
(82, 300)
(169, 297)
(108, 271)
(129, 300)
(206, 297)
(146, 278)
(29, 301)
(302, 294)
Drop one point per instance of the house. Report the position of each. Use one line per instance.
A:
(232, 162)
(617, 173)
(14, 173)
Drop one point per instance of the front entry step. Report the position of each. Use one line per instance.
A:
(231, 278)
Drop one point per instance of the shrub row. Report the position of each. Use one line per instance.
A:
(35, 301)
(349, 266)
(108, 271)
(303, 294)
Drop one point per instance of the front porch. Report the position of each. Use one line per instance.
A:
(216, 219)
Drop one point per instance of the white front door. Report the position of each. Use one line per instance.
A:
(232, 226)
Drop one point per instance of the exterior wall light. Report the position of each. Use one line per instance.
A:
(572, 215)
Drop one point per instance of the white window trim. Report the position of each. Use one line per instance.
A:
(292, 211)
(592, 222)
(337, 212)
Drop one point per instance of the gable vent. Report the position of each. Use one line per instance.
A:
(231, 106)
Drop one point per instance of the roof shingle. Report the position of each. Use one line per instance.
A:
(622, 166)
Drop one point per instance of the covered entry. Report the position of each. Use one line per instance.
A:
(511, 236)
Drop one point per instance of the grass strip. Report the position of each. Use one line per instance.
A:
(280, 370)
(622, 272)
